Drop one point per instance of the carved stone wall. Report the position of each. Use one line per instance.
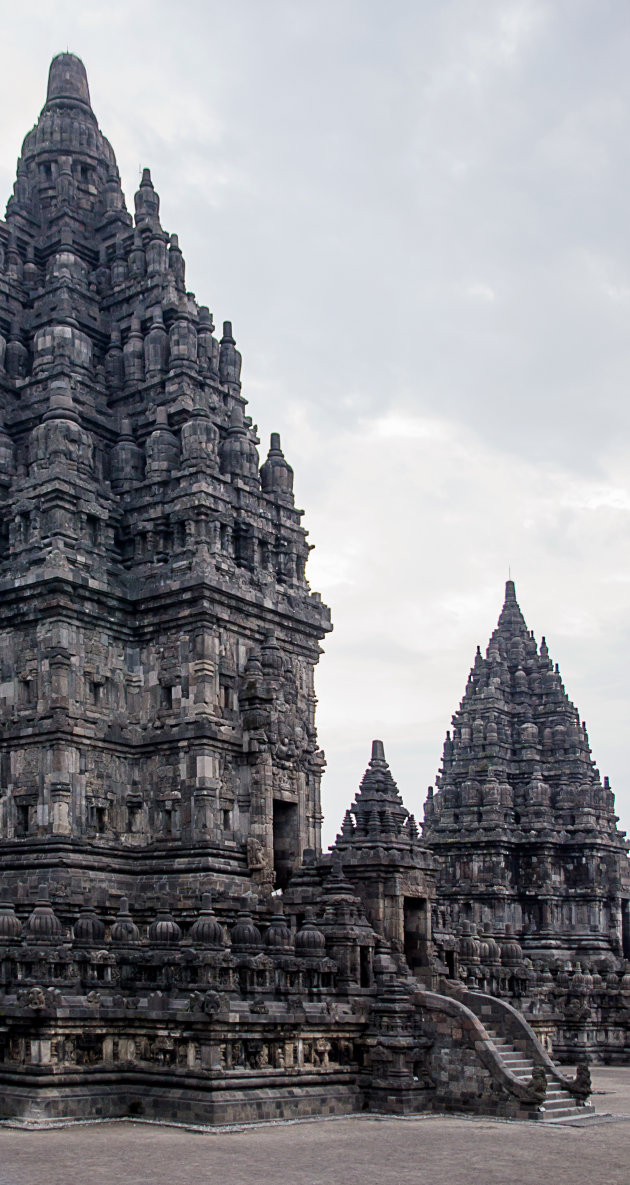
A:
(157, 633)
(532, 870)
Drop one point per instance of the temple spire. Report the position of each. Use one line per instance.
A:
(381, 817)
(516, 719)
(517, 791)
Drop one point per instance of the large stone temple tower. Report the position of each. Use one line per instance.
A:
(173, 943)
(157, 633)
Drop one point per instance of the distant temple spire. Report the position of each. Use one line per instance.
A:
(517, 776)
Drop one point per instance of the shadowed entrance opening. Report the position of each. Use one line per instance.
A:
(285, 841)
(415, 936)
(625, 928)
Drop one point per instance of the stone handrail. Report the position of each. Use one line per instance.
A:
(529, 1094)
(512, 1024)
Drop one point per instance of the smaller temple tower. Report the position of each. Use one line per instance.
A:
(388, 865)
(523, 826)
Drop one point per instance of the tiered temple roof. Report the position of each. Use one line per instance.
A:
(377, 816)
(157, 631)
(518, 755)
(522, 825)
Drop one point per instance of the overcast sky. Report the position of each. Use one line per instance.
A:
(416, 216)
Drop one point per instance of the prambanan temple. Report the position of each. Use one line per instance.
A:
(173, 941)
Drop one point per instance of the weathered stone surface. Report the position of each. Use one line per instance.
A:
(157, 634)
(532, 883)
(157, 644)
(173, 943)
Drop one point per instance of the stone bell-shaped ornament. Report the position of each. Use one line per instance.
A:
(276, 475)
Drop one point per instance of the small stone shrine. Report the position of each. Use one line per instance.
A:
(173, 942)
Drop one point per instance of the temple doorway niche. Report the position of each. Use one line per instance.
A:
(625, 928)
(416, 937)
(365, 966)
(285, 841)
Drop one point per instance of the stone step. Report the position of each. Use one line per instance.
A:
(568, 1113)
(559, 1104)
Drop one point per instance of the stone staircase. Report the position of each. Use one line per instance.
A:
(559, 1105)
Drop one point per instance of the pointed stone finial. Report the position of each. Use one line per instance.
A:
(378, 751)
(374, 825)
(205, 318)
(388, 826)
(347, 827)
(43, 922)
(147, 201)
(67, 79)
(207, 930)
(276, 476)
(176, 259)
(236, 418)
(124, 929)
(253, 666)
(511, 621)
(229, 357)
(238, 453)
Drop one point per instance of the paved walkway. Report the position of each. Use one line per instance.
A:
(362, 1151)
